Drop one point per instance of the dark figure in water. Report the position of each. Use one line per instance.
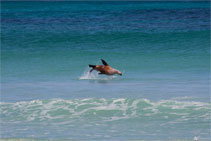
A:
(104, 69)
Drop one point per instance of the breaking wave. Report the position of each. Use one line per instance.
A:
(103, 109)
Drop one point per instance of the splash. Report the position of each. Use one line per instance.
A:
(94, 76)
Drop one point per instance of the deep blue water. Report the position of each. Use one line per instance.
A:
(162, 48)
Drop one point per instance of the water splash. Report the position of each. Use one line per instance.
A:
(88, 75)
(94, 76)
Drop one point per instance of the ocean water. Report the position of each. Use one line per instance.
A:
(162, 49)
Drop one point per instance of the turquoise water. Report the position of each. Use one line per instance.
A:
(162, 49)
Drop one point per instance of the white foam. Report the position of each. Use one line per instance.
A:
(88, 75)
(196, 138)
(120, 108)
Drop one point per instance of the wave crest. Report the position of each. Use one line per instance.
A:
(103, 109)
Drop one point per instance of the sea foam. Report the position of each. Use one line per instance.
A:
(103, 110)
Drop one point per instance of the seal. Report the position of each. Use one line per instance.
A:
(104, 69)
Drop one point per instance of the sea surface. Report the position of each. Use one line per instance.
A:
(162, 49)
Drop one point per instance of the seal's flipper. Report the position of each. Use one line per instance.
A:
(91, 70)
(104, 62)
(92, 66)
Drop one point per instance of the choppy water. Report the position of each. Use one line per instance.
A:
(162, 48)
(107, 118)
